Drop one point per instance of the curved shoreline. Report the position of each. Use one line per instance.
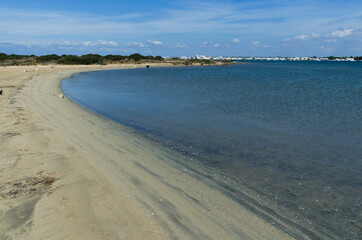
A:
(109, 183)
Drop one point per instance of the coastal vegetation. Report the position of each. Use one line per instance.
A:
(92, 59)
(88, 59)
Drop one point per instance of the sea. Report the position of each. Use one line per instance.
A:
(286, 134)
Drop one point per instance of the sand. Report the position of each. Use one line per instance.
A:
(67, 173)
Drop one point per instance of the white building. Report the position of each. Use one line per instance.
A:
(203, 57)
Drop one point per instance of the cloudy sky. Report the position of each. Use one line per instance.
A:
(182, 28)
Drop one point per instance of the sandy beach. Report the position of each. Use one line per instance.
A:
(67, 173)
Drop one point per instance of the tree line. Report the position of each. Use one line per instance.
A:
(87, 59)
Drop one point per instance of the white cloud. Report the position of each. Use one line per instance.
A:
(135, 44)
(66, 44)
(342, 33)
(324, 37)
(89, 43)
(315, 35)
(97, 43)
(303, 37)
(63, 42)
(216, 45)
(236, 40)
(256, 43)
(108, 43)
(180, 45)
(155, 43)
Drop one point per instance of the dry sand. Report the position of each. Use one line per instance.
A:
(67, 173)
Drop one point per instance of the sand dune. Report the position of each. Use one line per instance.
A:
(67, 173)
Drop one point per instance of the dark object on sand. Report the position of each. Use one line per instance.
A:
(1, 91)
(147, 66)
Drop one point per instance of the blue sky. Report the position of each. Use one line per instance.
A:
(182, 28)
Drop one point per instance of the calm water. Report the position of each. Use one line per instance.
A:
(290, 132)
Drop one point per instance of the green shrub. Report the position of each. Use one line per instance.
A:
(48, 58)
(136, 57)
(115, 57)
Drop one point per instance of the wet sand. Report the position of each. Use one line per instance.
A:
(67, 173)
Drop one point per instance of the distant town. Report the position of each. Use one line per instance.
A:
(221, 58)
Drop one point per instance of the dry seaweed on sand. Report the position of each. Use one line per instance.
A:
(26, 186)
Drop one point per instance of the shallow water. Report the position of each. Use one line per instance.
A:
(288, 131)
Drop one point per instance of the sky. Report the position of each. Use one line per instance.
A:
(182, 28)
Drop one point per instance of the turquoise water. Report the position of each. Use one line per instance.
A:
(290, 132)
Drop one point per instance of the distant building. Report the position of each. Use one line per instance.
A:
(203, 57)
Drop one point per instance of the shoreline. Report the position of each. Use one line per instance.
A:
(70, 173)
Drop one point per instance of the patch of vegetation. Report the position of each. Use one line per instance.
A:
(13, 59)
(48, 58)
(4, 57)
(137, 57)
(115, 58)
